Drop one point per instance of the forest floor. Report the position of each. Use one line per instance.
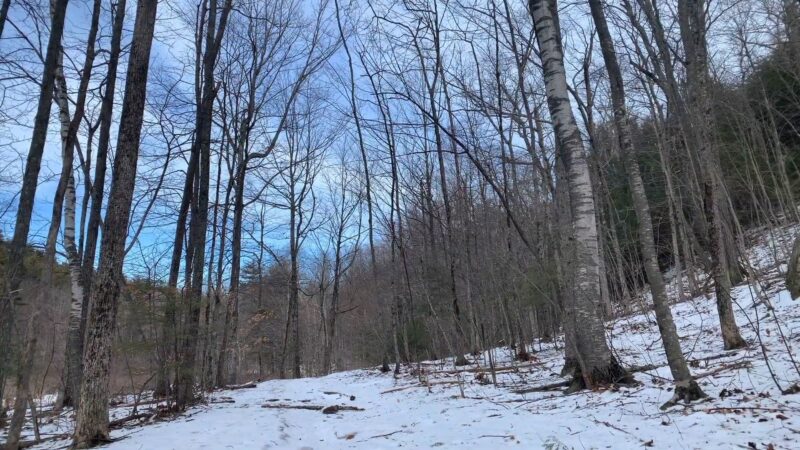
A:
(433, 405)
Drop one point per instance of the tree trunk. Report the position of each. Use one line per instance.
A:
(62, 100)
(228, 360)
(685, 386)
(4, 14)
(14, 270)
(199, 221)
(69, 133)
(23, 388)
(294, 295)
(106, 119)
(74, 341)
(793, 274)
(597, 365)
(91, 426)
(692, 21)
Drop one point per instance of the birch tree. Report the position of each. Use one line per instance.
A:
(596, 364)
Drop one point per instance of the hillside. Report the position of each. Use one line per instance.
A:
(432, 405)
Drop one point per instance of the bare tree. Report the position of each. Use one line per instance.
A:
(91, 426)
(14, 272)
(685, 386)
(596, 364)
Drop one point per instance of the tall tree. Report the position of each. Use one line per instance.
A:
(184, 380)
(692, 21)
(66, 187)
(596, 363)
(14, 272)
(92, 427)
(686, 387)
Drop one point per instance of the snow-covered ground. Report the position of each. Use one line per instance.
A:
(432, 405)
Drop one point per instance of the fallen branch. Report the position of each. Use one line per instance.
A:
(281, 406)
(484, 369)
(733, 366)
(122, 421)
(546, 387)
(645, 368)
(386, 435)
(234, 387)
(325, 409)
(696, 362)
(56, 437)
(411, 386)
(733, 409)
(333, 409)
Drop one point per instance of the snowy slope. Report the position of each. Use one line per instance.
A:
(431, 405)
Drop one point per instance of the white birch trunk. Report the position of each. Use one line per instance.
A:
(596, 362)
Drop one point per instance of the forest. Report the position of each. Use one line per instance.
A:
(200, 195)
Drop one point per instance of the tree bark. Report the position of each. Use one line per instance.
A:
(92, 426)
(14, 272)
(23, 388)
(74, 341)
(596, 363)
(793, 274)
(185, 376)
(686, 387)
(4, 15)
(106, 119)
(692, 21)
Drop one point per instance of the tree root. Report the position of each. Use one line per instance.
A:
(611, 374)
(685, 391)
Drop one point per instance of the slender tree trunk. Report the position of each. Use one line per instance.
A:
(793, 272)
(14, 269)
(331, 326)
(106, 119)
(62, 100)
(685, 387)
(228, 361)
(66, 187)
(360, 134)
(4, 15)
(692, 21)
(23, 388)
(294, 294)
(199, 223)
(74, 341)
(597, 364)
(91, 426)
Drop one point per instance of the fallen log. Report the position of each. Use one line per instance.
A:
(281, 406)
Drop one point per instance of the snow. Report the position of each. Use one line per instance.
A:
(431, 405)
